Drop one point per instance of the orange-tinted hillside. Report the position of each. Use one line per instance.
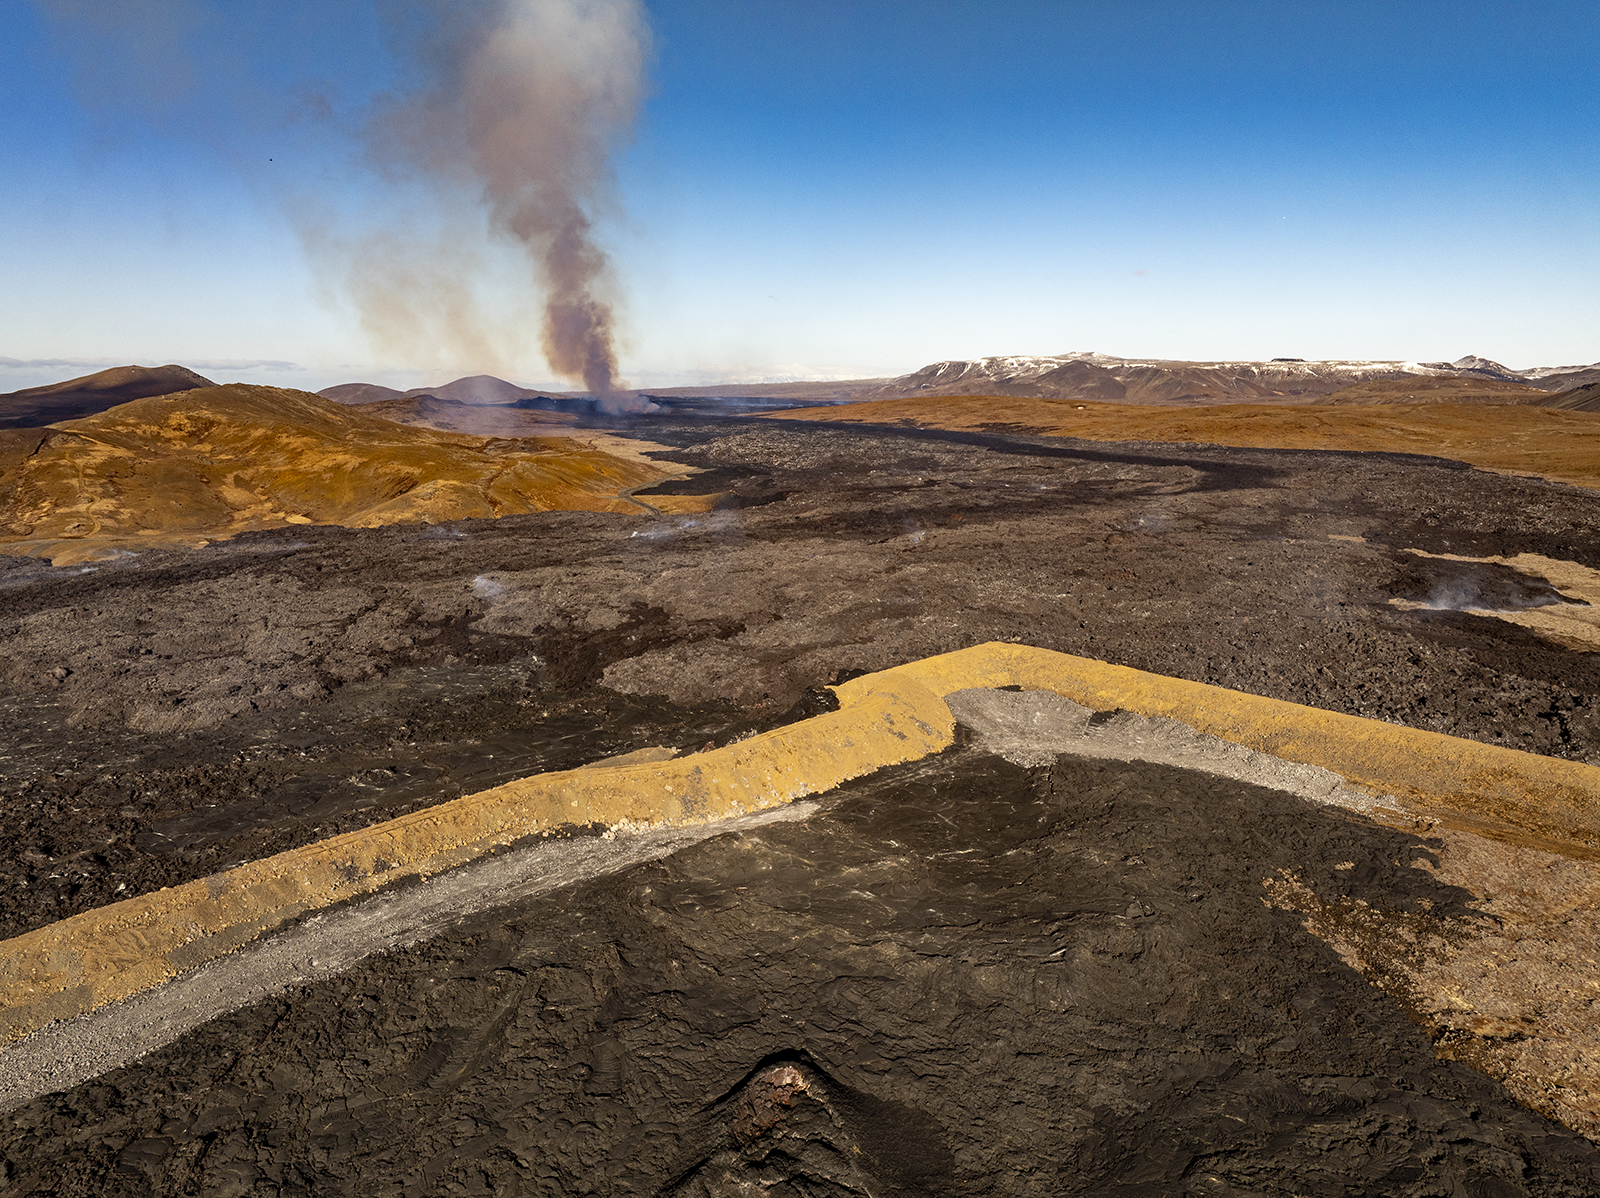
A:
(1444, 389)
(210, 463)
(1510, 438)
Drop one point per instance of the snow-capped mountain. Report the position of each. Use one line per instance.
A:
(1474, 365)
(1095, 376)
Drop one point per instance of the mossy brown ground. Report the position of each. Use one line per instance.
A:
(211, 463)
(1514, 439)
(1437, 389)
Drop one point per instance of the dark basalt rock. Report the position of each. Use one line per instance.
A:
(167, 715)
(961, 977)
(791, 1128)
(987, 981)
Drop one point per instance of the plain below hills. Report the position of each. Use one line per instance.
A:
(1520, 439)
(458, 416)
(207, 464)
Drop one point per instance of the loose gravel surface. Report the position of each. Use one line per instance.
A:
(165, 715)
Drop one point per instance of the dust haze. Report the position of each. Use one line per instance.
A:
(498, 133)
(522, 100)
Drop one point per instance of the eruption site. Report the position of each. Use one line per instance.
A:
(1034, 775)
(1104, 814)
(525, 100)
(498, 121)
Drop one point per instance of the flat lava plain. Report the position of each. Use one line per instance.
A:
(959, 976)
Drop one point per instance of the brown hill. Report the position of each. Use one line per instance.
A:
(479, 389)
(359, 393)
(482, 389)
(1519, 439)
(210, 463)
(1445, 389)
(1579, 399)
(93, 393)
(482, 420)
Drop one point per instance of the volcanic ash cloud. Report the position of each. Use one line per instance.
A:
(523, 100)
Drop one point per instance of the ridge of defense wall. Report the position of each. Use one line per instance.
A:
(896, 715)
(1465, 783)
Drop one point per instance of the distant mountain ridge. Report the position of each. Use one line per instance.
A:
(1095, 377)
(1090, 377)
(1101, 377)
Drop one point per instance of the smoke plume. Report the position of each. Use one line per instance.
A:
(525, 100)
(503, 120)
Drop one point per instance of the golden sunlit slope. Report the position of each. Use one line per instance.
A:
(1442, 389)
(209, 463)
(1511, 439)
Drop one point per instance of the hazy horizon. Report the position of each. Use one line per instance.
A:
(288, 374)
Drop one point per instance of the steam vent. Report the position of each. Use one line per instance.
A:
(707, 801)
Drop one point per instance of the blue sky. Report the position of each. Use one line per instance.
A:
(852, 189)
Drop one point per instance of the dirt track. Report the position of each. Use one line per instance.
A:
(171, 713)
